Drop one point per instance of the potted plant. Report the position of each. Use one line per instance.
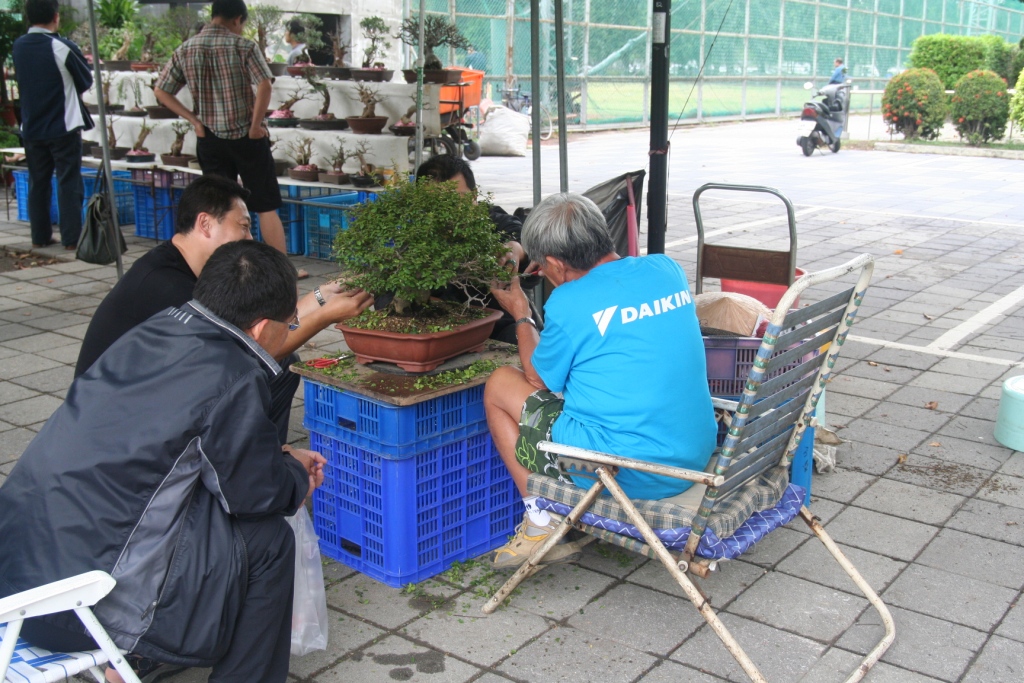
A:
(301, 151)
(437, 31)
(324, 120)
(176, 158)
(115, 151)
(336, 162)
(131, 85)
(149, 29)
(367, 123)
(116, 48)
(158, 111)
(139, 154)
(313, 38)
(339, 47)
(105, 86)
(281, 166)
(405, 126)
(375, 31)
(263, 21)
(367, 176)
(283, 116)
(418, 237)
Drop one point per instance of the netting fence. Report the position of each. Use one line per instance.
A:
(759, 52)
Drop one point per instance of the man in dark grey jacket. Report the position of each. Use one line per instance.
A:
(163, 469)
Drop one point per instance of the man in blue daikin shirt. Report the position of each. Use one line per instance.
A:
(622, 345)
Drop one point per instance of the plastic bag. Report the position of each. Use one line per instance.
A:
(504, 133)
(309, 604)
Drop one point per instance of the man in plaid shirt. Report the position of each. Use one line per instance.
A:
(220, 68)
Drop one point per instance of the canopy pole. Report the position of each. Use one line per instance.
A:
(656, 191)
(102, 108)
(418, 157)
(535, 95)
(563, 152)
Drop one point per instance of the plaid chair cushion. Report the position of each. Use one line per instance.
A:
(727, 516)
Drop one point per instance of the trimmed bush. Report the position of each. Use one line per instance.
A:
(950, 57)
(980, 107)
(999, 56)
(1017, 103)
(914, 104)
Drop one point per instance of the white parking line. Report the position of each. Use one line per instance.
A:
(937, 352)
(983, 317)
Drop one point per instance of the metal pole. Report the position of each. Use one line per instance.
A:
(656, 193)
(419, 93)
(563, 152)
(102, 108)
(535, 94)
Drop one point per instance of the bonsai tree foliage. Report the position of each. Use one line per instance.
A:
(181, 129)
(149, 30)
(418, 237)
(126, 85)
(300, 150)
(370, 99)
(914, 104)
(144, 131)
(338, 157)
(376, 32)
(263, 21)
(437, 31)
(321, 89)
(362, 154)
(980, 107)
(297, 94)
(312, 34)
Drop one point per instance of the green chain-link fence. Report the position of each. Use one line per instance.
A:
(759, 52)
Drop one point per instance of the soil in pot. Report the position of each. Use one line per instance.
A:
(410, 344)
(115, 152)
(157, 111)
(142, 158)
(374, 75)
(367, 126)
(172, 160)
(332, 177)
(310, 175)
(323, 124)
(111, 108)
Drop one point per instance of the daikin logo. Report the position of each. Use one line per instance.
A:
(603, 318)
(645, 310)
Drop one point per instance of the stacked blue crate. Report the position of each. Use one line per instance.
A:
(408, 490)
(122, 191)
(325, 217)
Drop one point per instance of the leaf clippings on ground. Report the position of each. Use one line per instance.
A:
(935, 444)
(901, 458)
(931, 405)
(872, 363)
(928, 317)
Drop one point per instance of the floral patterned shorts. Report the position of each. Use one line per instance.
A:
(540, 411)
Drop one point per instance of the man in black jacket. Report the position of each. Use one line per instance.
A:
(52, 75)
(163, 469)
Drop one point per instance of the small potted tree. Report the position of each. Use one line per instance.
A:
(418, 237)
(176, 158)
(115, 151)
(368, 123)
(301, 151)
(281, 166)
(107, 82)
(406, 125)
(283, 116)
(131, 85)
(117, 48)
(312, 36)
(334, 164)
(149, 29)
(158, 111)
(138, 153)
(325, 120)
(367, 176)
(437, 31)
(339, 47)
(375, 32)
(264, 21)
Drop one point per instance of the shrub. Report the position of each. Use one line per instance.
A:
(914, 104)
(980, 107)
(1017, 103)
(999, 56)
(950, 57)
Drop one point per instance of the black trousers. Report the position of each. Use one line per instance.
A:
(261, 647)
(63, 154)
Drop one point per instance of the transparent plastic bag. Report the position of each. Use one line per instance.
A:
(309, 604)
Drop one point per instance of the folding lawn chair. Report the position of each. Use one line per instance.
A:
(21, 662)
(749, 494)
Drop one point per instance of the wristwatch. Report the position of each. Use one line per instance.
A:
(319, 297)
(526, 320)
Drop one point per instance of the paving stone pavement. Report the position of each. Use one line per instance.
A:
(924, 500)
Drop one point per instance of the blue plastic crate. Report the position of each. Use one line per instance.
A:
(324, 222)
(155, 211)
(393, 431)
(122, 192)
(21, 193)
(292, 215)
(404, 521)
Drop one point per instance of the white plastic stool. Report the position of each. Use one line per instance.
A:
(1010, 422)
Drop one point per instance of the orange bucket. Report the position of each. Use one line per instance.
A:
(469, 94)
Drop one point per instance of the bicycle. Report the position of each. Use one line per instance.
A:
(516, 100)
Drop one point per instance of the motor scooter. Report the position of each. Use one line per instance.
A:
(828, 116)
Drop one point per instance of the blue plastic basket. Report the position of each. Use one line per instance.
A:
(403, 521)
(291, 216)
(324, 222)
(393, 431)
(21, 193)
(155, 211)
(122, 192)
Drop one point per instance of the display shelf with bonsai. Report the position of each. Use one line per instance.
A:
(375, 32)
(437, 31)
(176, 158)
(336, 163)
(367, 123)
(283, 116)
(115, 151)
(418, 237)
(138, 153)
(301, 151)
(324, 120)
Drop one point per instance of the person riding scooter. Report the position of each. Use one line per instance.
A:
(828, 115)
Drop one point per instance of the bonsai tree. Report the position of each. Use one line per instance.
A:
(376, 32)
(132, 85)
(126, 34)
(181, 129)
(140, 141)
(370, 98)
(361, 153)
(149, 29)
(321, 89)
(297, 94)
(339, 47)
(437, 31)
(111, 135)
(417, 237)
(263, 21)
(338, 157)
(312, 34)
(300, 150)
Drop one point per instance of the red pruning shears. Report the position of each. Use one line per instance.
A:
(321, 363)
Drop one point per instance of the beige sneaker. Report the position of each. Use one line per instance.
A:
(518, 550)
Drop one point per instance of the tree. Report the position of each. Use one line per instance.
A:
(437, 31)
(376, 31)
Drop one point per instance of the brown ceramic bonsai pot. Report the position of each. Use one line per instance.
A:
(134, 111)
(403, 131)
(298, 70)
(363, 180)
(442, 76)
(172, 160)
(117, 65)
(116, 153)
(157, 111)
(374, 75)
(419, 352)
(311, 176)
(333, 177)
(144, 66)
(372, 125)
(142, 158)
(111, 108)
